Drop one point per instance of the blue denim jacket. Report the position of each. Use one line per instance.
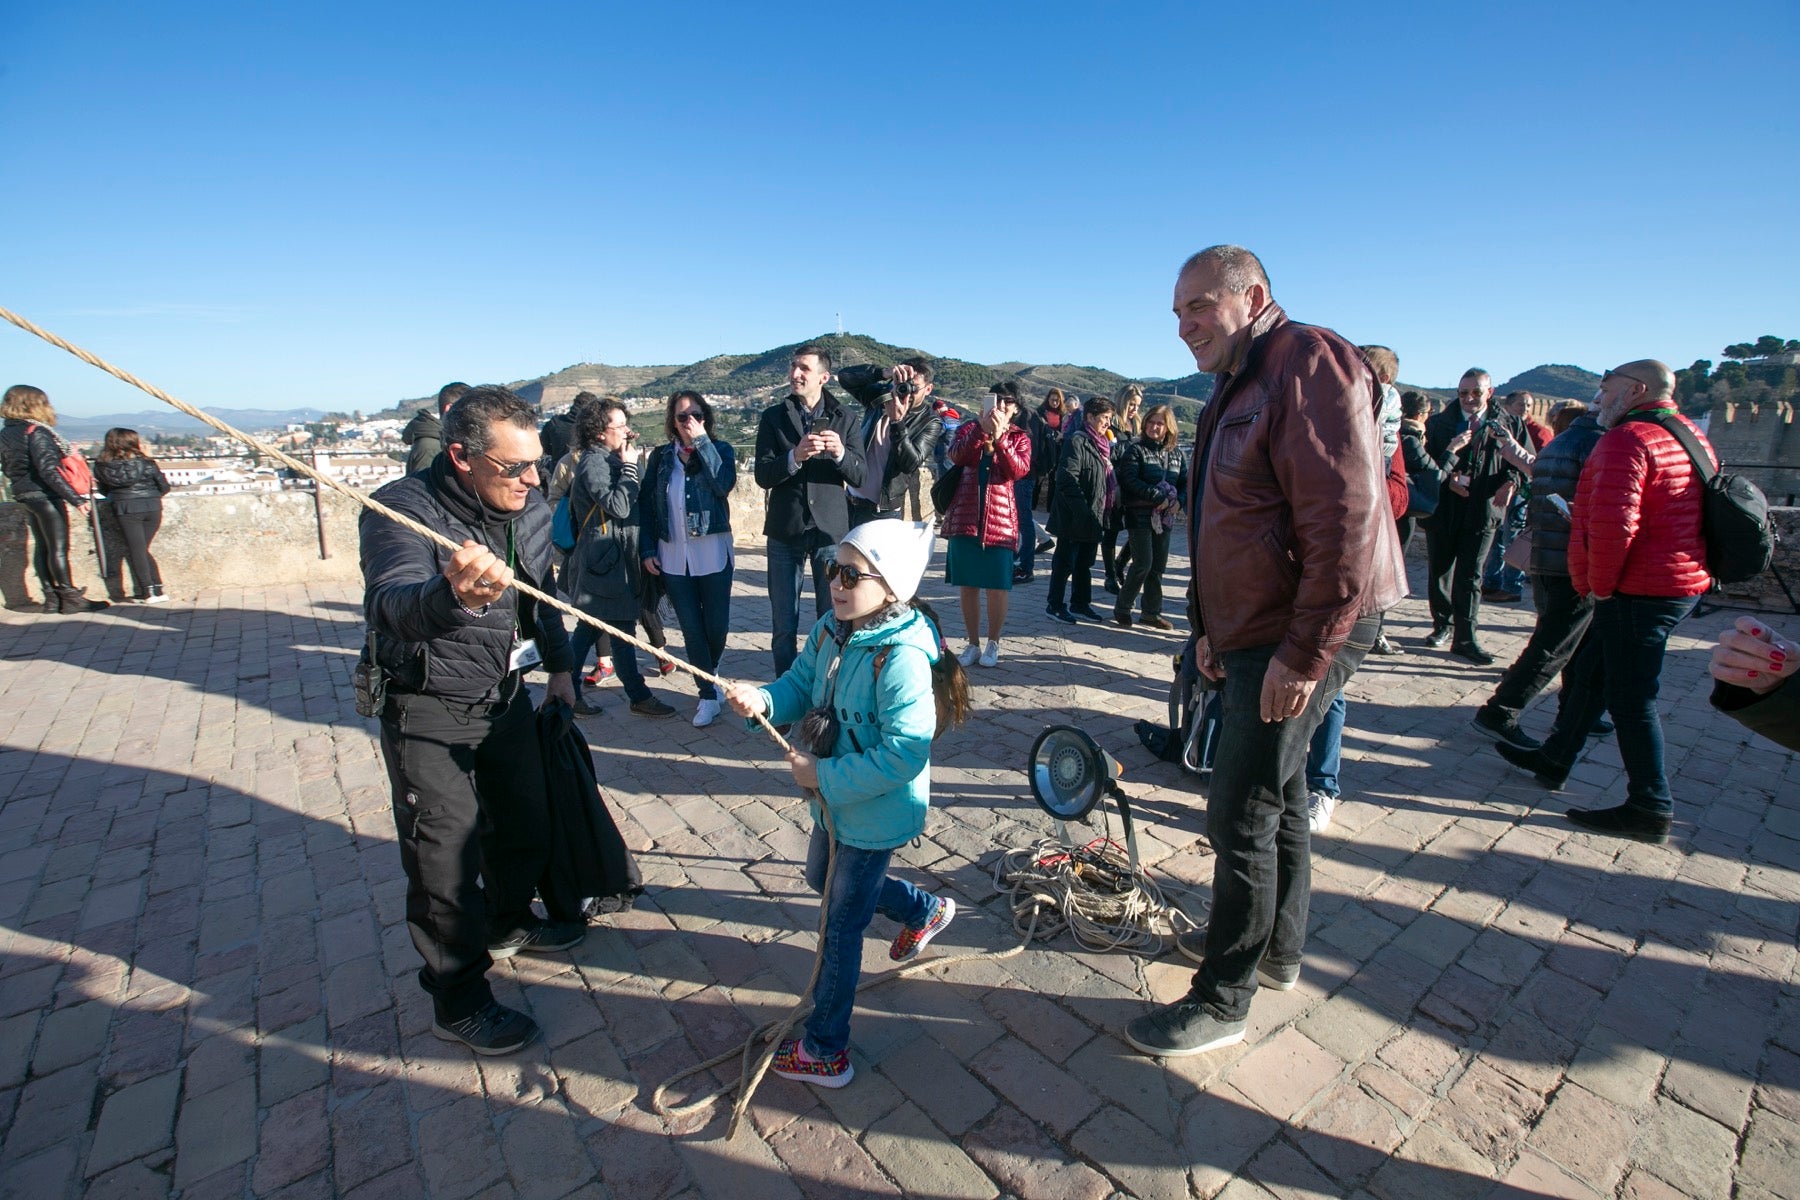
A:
(708, 491)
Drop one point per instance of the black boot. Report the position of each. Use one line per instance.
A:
(74, 600)
(1623, 821)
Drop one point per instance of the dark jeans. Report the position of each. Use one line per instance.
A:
(1496, 574)
(703, 610)
(1618, 670)
(1457, 542)
(474, 828)
(1115, 562)
(860, 888)
(1072, 561)
(49, 540)
(1028, 532)
(139, 528)
(788, 557)
(1256, 822)
(624, 656)
(1325, 753)
(1562, 619)
(1148, 555)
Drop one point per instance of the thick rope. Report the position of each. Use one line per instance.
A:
(375, 506)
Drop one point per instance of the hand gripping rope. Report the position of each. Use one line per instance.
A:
(1041, 880)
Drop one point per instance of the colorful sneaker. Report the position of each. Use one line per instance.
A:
(601, 671)
(793, 1062)
(911, 940)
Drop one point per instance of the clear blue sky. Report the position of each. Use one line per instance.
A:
(343, 205)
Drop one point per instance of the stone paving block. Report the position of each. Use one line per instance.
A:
(215, 1131)
(1683, 1148)
(1035, 1085)
(1534, 1176)
(935, 1079)
(133, 1181)
(1432, 1165)
(294, 1143)
(134, 1121)
(1285, 1073)
(369, 1135)
(1349, 1133)
(1616, 1067)
(1220, 1130)
(825, 1161)
(544, 1157)
(1136, 1156)
(71, 1035)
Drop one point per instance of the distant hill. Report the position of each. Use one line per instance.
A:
(171, 423)
(1553, 379)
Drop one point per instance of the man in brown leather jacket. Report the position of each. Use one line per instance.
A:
(1295, 556)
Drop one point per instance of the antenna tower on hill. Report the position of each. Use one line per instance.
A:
(840, 321)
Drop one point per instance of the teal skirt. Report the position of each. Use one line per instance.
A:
(967, 564)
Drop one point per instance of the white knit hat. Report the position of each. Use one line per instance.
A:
(898, 550)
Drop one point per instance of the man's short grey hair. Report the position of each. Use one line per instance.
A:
(1476, 373)
(471, 420)
(1237, 268)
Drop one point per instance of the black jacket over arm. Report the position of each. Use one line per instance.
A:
(134, 485)
(813, 496)
(909, 444)
(425, 640)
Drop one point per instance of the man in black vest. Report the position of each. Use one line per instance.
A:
(808, 448)
(457, 728)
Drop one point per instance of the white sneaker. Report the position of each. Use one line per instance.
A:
(1319, 807)
(706, 713)
(990, 657)
(155, 598)
(969, 654)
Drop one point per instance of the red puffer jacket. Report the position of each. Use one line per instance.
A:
(1635, 523)
(996, 514)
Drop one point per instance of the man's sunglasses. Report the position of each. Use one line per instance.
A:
(849, 574)
(510, 470)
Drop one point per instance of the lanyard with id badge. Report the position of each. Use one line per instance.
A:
(524, 655)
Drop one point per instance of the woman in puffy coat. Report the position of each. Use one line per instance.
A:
(982, 523)
(30, 454)
(1152, 482)
(1086, 491)
(1126, 426)
(135, 485)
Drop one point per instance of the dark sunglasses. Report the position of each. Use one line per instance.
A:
(510, 470)
(690, 416)
(850, 575)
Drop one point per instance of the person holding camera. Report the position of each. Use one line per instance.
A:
(452, 639)
(808, 450)
(982, 522)
(1469, 442)
(604, 576)
(899, 433)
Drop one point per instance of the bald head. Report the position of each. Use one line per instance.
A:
(1654, 375)
(1633, 385)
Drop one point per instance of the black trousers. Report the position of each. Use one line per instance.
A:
(1457, 541)
(1563, 617)
(139, 528)
(49, 540)
(474, 827)
(1146, 561)
(1072, 568)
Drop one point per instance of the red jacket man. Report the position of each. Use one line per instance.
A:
(1635, 545)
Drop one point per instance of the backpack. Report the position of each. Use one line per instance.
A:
(71, 466)
(1734, 513)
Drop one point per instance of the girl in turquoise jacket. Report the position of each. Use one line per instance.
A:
(875, 664)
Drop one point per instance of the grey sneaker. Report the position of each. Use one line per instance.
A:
(1180, 1029)
(546, 937)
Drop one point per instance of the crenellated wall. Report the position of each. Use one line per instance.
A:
(1760, 442)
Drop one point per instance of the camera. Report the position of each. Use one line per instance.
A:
(906, 389)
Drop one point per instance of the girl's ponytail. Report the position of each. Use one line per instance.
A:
(949, 682)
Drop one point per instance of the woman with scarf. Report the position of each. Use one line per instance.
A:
(1086, 492)
(1152, 481)
(982, 523)
(1126, 403)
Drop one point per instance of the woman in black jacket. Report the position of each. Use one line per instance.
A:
(135, 485)
(1086, 491)
(1424, 475)
(30, 455)
(1152, 482)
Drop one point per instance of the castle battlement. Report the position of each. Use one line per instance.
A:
(1780, 412)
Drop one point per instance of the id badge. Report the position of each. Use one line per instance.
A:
(524, 655)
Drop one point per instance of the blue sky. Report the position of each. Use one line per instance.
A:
(340, 206)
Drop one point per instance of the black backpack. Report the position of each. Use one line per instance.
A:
(1734, 513)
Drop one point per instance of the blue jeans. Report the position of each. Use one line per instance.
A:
(1618, 670)
(788, 557)
(860, 888)
(1326, 750)
(1497, 574)
(1256, 820)
(625, 663)
(703, 610)
(1028, 536)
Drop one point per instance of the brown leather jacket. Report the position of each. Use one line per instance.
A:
(1294, 541)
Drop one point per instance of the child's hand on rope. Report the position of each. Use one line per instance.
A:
(745, 701)
(805, 768)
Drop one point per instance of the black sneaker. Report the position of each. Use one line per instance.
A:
(584, 708)
(1121, 619)
(1601, 728)
(1112, 585)
(650, 706)
(1498, 724)
(1059, 614)
(1548, 772)
(1473, 653)
(496, 1029)
(1437, 639)
(546, 937)
(1182, 1028)
(1087, 611)
(1020, 575)
(1623, 821)
(1045, 546)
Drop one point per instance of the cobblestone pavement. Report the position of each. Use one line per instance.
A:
(207, 988)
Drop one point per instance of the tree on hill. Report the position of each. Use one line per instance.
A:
(1765, 346)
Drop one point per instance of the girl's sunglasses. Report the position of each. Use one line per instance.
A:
(851, 576)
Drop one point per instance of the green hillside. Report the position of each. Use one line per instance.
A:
(1556, 380)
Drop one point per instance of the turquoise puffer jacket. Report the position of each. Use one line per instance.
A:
(878, 778)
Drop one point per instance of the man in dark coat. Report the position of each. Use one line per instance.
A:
(458, 732)
(808, 448)
(423, 434)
